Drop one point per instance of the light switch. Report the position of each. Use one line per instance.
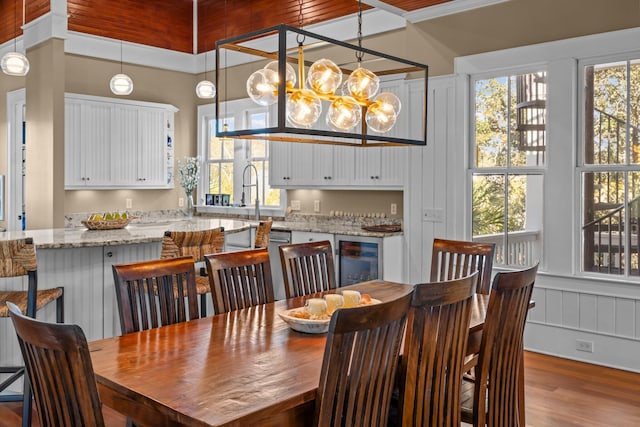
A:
(432, 214)
(316, 205)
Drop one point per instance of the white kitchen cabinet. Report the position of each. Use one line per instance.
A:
(332, 165)
(87, 151)
(290, 164)
(117, 144)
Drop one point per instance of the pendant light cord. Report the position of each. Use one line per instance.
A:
(300, 37)
(15, 26)
(359, 53)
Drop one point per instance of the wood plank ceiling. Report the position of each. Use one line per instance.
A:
(169, 24)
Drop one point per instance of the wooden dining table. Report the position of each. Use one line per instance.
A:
(241, 368)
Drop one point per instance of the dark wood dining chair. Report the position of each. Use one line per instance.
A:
(263, 232)
(453, 259)
(196, 244)
(434, 351)
(495, 397)
(155, 293)
(18, 260)
(59, 368)
(307, 268)
(360, 364)
(240, 279)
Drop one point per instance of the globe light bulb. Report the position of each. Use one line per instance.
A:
(262, 86)
(380, 117)
(324, 77)
(303, 108)
(389, 100)
(121, 84)
(205, 89)
(290, 73)
(14, 64)
(344, 113)
(363, 84)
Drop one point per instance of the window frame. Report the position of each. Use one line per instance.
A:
(507, 171)
(583, 168)
(239, 110)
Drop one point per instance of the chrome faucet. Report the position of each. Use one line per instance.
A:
(242, 203)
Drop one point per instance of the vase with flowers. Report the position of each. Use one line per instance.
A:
(189, 173)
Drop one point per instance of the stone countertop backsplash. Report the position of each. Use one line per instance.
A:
(345, 224)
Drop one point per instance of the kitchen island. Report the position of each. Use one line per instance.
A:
(81, 261)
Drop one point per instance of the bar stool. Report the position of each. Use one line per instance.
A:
(196, 244)
(18, 260)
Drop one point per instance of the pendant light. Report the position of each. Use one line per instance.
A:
(319, 100)
(15, 63)
(121, 84)
(205, 89)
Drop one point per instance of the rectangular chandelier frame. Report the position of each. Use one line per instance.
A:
(237, 57)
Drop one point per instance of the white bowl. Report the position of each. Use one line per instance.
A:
(307, 326)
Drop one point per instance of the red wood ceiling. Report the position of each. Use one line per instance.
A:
(168, 24)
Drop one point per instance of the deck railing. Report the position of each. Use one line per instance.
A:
(522, 248)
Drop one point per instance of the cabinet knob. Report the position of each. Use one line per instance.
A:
(88, 178)
(109, 254)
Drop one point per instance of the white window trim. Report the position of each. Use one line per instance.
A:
(205, 113)
(560, 58)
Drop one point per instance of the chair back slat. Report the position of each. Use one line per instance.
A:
(240, 279)
(434, 351)
(360, 363)
(499, 365)
(60, 371)
(155, 293)
(307, 268)
(453, 259)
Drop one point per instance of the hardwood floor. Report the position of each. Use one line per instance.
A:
(559, 393)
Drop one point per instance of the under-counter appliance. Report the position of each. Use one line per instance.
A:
(358, 259)
(277, 238)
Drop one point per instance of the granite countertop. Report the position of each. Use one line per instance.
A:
(328, 227)
(133, 233)
(151, 229)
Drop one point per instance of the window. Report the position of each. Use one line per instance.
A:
(507, 167)
(610, 167)
(227, 161)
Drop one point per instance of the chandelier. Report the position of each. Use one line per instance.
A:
(318, 100)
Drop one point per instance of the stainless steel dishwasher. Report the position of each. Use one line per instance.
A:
(277, 238)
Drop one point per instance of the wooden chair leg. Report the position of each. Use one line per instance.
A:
(521, 408)
(203, 305)
(60, 307)
(27, 402)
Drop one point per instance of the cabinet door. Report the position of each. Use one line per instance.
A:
(322, 164)
(151, 148)
(74, 174)
(290, 164)
(279, 167)
(87, 144)
(125, 143)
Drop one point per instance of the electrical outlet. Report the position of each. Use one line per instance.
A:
(394, 209)
(586, 346)
(316, 205)
(128, 203)
(295, 205)
(180, 202)
(432, 215)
